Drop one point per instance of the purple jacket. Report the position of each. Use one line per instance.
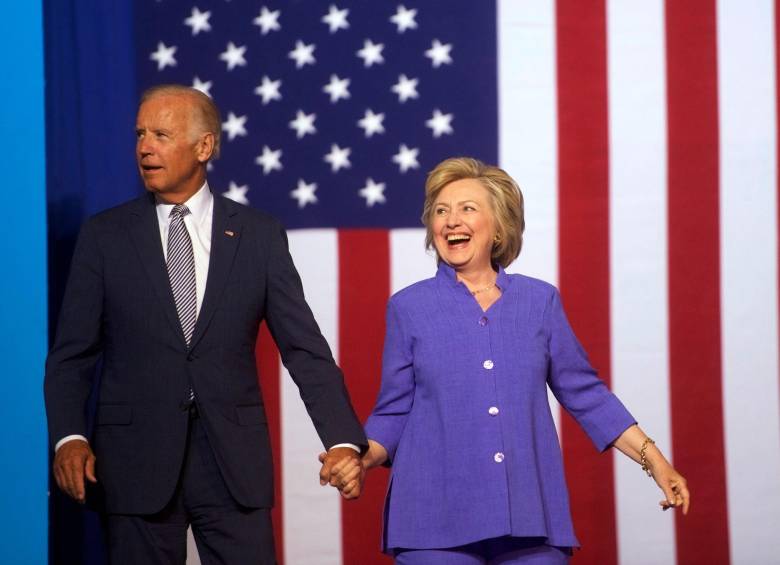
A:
(464, 415)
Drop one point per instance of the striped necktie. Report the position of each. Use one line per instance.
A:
(181, 270)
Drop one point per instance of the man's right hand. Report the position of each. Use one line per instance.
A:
(73, 461)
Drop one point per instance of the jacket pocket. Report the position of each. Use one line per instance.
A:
(114, 415)
(250, 415)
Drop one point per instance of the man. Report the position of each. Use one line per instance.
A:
(169, 290)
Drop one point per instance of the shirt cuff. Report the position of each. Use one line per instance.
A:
(66, 439)
(350, 445)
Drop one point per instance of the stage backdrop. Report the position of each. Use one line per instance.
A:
(643, 136)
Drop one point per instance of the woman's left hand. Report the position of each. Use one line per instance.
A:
(673, 485)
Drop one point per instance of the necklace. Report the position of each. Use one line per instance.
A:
(481, 290)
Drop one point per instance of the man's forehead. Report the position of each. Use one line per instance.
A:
(166, 107)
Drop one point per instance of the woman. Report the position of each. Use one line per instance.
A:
(463, 416)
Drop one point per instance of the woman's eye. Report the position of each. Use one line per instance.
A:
(440, 211)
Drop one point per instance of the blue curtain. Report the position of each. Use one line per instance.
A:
(91, 100)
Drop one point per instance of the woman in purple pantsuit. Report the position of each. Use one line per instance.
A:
(463, 416)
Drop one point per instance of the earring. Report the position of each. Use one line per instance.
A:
(496, 238)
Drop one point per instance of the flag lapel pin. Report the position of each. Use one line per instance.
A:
(230, 233)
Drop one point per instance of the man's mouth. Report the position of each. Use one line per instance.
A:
(150, 168)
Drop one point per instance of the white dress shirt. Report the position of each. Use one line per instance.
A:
(198, 223)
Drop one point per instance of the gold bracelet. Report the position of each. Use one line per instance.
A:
(643, 453)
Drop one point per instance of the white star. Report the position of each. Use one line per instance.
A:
(268, 21)
(303, 124)
(371, 53)
(234, 126)
(198, 21)
(338, 158)
(164, 56)
(372, 123)
(404, 19)
(337, 88)
(405, 88)
(203, 86)
(269, 89)
(303, 54)
(270, 160)
(440, 123)
(406, 158)
(304, 193)
(237, 193)
(373, 192)
(336, 19)
(233, 56)
(439, 53)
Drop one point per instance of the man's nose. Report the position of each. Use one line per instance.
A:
(143, 147)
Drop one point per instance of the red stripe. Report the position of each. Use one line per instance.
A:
(694, 283)
(364, 287)
(583, 147)
(268, 368)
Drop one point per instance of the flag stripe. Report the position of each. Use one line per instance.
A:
(527, 136)
(364, 287)
(638, 264)
(584, 252)
(268, 369)
(694, 284)
(409, 260)
(746, 93)
(308, 507)
(527, 132)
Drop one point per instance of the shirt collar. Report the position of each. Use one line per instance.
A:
(447, 273)
(198, 205)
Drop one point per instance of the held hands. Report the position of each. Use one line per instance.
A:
(73, 461)
(348, 474)
(343, 469)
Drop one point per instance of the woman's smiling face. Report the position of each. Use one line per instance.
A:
(463, 225)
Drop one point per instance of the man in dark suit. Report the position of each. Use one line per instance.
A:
(169, 290)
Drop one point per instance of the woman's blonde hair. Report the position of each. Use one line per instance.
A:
(505, 198)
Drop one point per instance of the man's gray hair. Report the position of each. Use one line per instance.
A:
(207, 113)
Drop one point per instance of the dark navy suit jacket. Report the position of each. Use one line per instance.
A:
(118, 306)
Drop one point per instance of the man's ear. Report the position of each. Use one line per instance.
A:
(205, 147)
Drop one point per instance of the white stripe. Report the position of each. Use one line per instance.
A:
(312, 514)
(638, 264)
(527, 134)
(409, 261)
(527, 130)
(192, 550)
(748, 231)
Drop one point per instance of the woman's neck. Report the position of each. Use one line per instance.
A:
(476, 278)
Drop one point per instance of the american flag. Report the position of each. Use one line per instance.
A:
(644, 137)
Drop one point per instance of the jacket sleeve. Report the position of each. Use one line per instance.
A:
(70, 366)
(576, 385)
(304, 350)
(396, 395)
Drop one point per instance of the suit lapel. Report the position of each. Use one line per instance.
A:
(225, 236)
(145, 233)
